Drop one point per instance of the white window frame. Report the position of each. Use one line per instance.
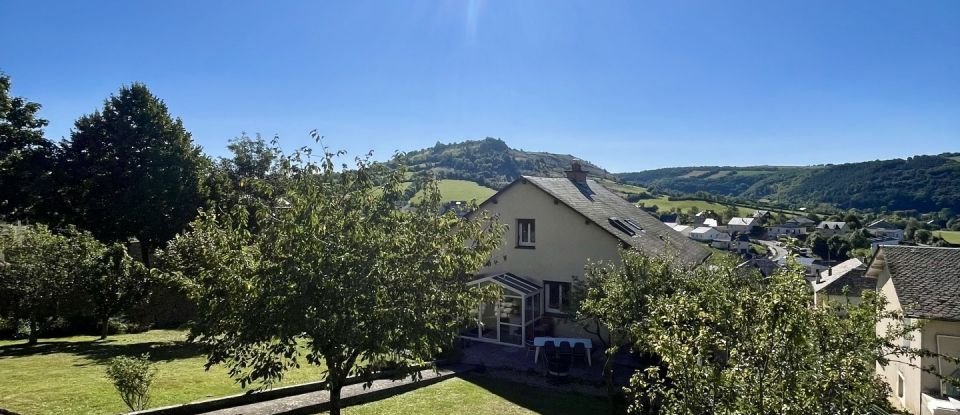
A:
(901, 390)
(531, 225)
(546, 295)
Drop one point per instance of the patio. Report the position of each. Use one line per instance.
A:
(498, 356)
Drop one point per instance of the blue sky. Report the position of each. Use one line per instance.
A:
(629, 85)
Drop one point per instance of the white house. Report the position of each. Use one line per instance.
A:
(683, 229)
(741, 224)
(886, 230)
(828, 228)
(792, 229)
(923, 283)
(557, 226)
(704, 233)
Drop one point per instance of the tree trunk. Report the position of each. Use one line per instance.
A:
(105, 330)
(335, 385)
(608, 379)
(33, 329)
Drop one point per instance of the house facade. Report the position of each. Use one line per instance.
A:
(885, 230)
(556, 226)
(923, 283)
(704, 234)
(788, 228)
(741, 225)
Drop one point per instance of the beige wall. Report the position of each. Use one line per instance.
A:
(565, 241)
(916, 380)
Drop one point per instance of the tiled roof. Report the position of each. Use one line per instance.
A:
(927, 280)
(600, 205)
(851, 272)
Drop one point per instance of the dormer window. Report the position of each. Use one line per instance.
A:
(526, 233)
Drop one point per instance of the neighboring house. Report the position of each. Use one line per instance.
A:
(812, 266)
(741, 225)
(923, 283)
(792, 229)
(828, 229)
(740, 243)
(886, 230)
(556, 227)
(683, 229)
(704, 233)
(711, 222)
(721, 241)
(762, 216)
(850, 274)
(876, 243)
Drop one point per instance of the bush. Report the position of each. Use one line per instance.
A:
(132, 376)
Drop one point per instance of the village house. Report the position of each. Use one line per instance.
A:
(762, 216)
(737, 224)
(556, 227)
(792, 229)
(885, 230)
(828, 228)
(704, 234)
(849, 275)
(923, 283)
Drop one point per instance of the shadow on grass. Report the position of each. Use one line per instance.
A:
(539, 400)
(99, 351)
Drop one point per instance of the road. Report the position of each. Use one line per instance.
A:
(778, 251)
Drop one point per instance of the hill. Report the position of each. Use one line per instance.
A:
(491, 162)
(922, 183)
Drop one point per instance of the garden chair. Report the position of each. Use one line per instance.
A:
(579, 350)
(566, 352)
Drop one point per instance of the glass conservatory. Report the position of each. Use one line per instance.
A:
(511, 319)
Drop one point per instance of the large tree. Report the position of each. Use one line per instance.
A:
(337, 269)
(38, 269)
(131, 170)
(25, 156)
(113, 282)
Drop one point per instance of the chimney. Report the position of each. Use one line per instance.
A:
(576, 172)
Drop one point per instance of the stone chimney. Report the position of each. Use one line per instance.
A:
(576, 173)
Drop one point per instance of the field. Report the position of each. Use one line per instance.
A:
(482, 396)
(461, 190)
(66, 376)
(665, 205)
(953, 237)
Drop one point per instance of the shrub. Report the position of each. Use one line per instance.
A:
(132, 377)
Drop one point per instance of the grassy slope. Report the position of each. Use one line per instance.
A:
(66, 376)
(952, 237)
(479, 395)
(665, 205)
(461, 190)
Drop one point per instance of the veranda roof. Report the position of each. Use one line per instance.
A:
(512, 282)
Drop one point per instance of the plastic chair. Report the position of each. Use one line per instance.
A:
(550, 351)
(579, 350)
(566, 352)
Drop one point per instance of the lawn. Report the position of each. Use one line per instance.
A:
(953, 237)
(479, 395)
(665, 205)
(66, 375)
(461, 190)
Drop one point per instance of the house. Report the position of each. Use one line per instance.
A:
(711, 222)
(829, 285)
(683, 229)
(556, 227)
(788, 228)
(704, 218)
(828, 228)
(741, 224)
(762, 216)
(704, 233)
(721, 240)
(923, 283)
(886, 230)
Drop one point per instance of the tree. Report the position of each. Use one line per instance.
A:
(853, 221)
(860, 239)
(38, 268)
(25, 156)
(732, 341)
(818, 245)
(131, 170)
(338, 270)
(132, 377)
(613, 300)
(839, 248)
(113, 281)
(922, 236)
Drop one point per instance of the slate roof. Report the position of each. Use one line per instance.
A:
(600, 205)
(881, 224)
(927, 280)
(851, 272)
(831, 225)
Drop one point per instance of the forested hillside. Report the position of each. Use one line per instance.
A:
(922, 183)
(490, 162)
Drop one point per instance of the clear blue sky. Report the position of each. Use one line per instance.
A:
(629, 85)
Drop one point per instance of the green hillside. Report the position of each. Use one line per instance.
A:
(922, 183)
(460, 190)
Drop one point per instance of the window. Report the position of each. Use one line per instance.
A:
(900, 386)
(526, 233)
(557, 296)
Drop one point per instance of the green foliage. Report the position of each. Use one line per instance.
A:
(114, 282)
(25, 156)
(818, 244)
(337, 268)
(132, 376)
(131, 170)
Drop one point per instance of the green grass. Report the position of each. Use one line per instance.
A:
(66, 375)
(460, 190)
(665, 205)
(694, 174)
(952, 237)
(622, 187)
(478, 395)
